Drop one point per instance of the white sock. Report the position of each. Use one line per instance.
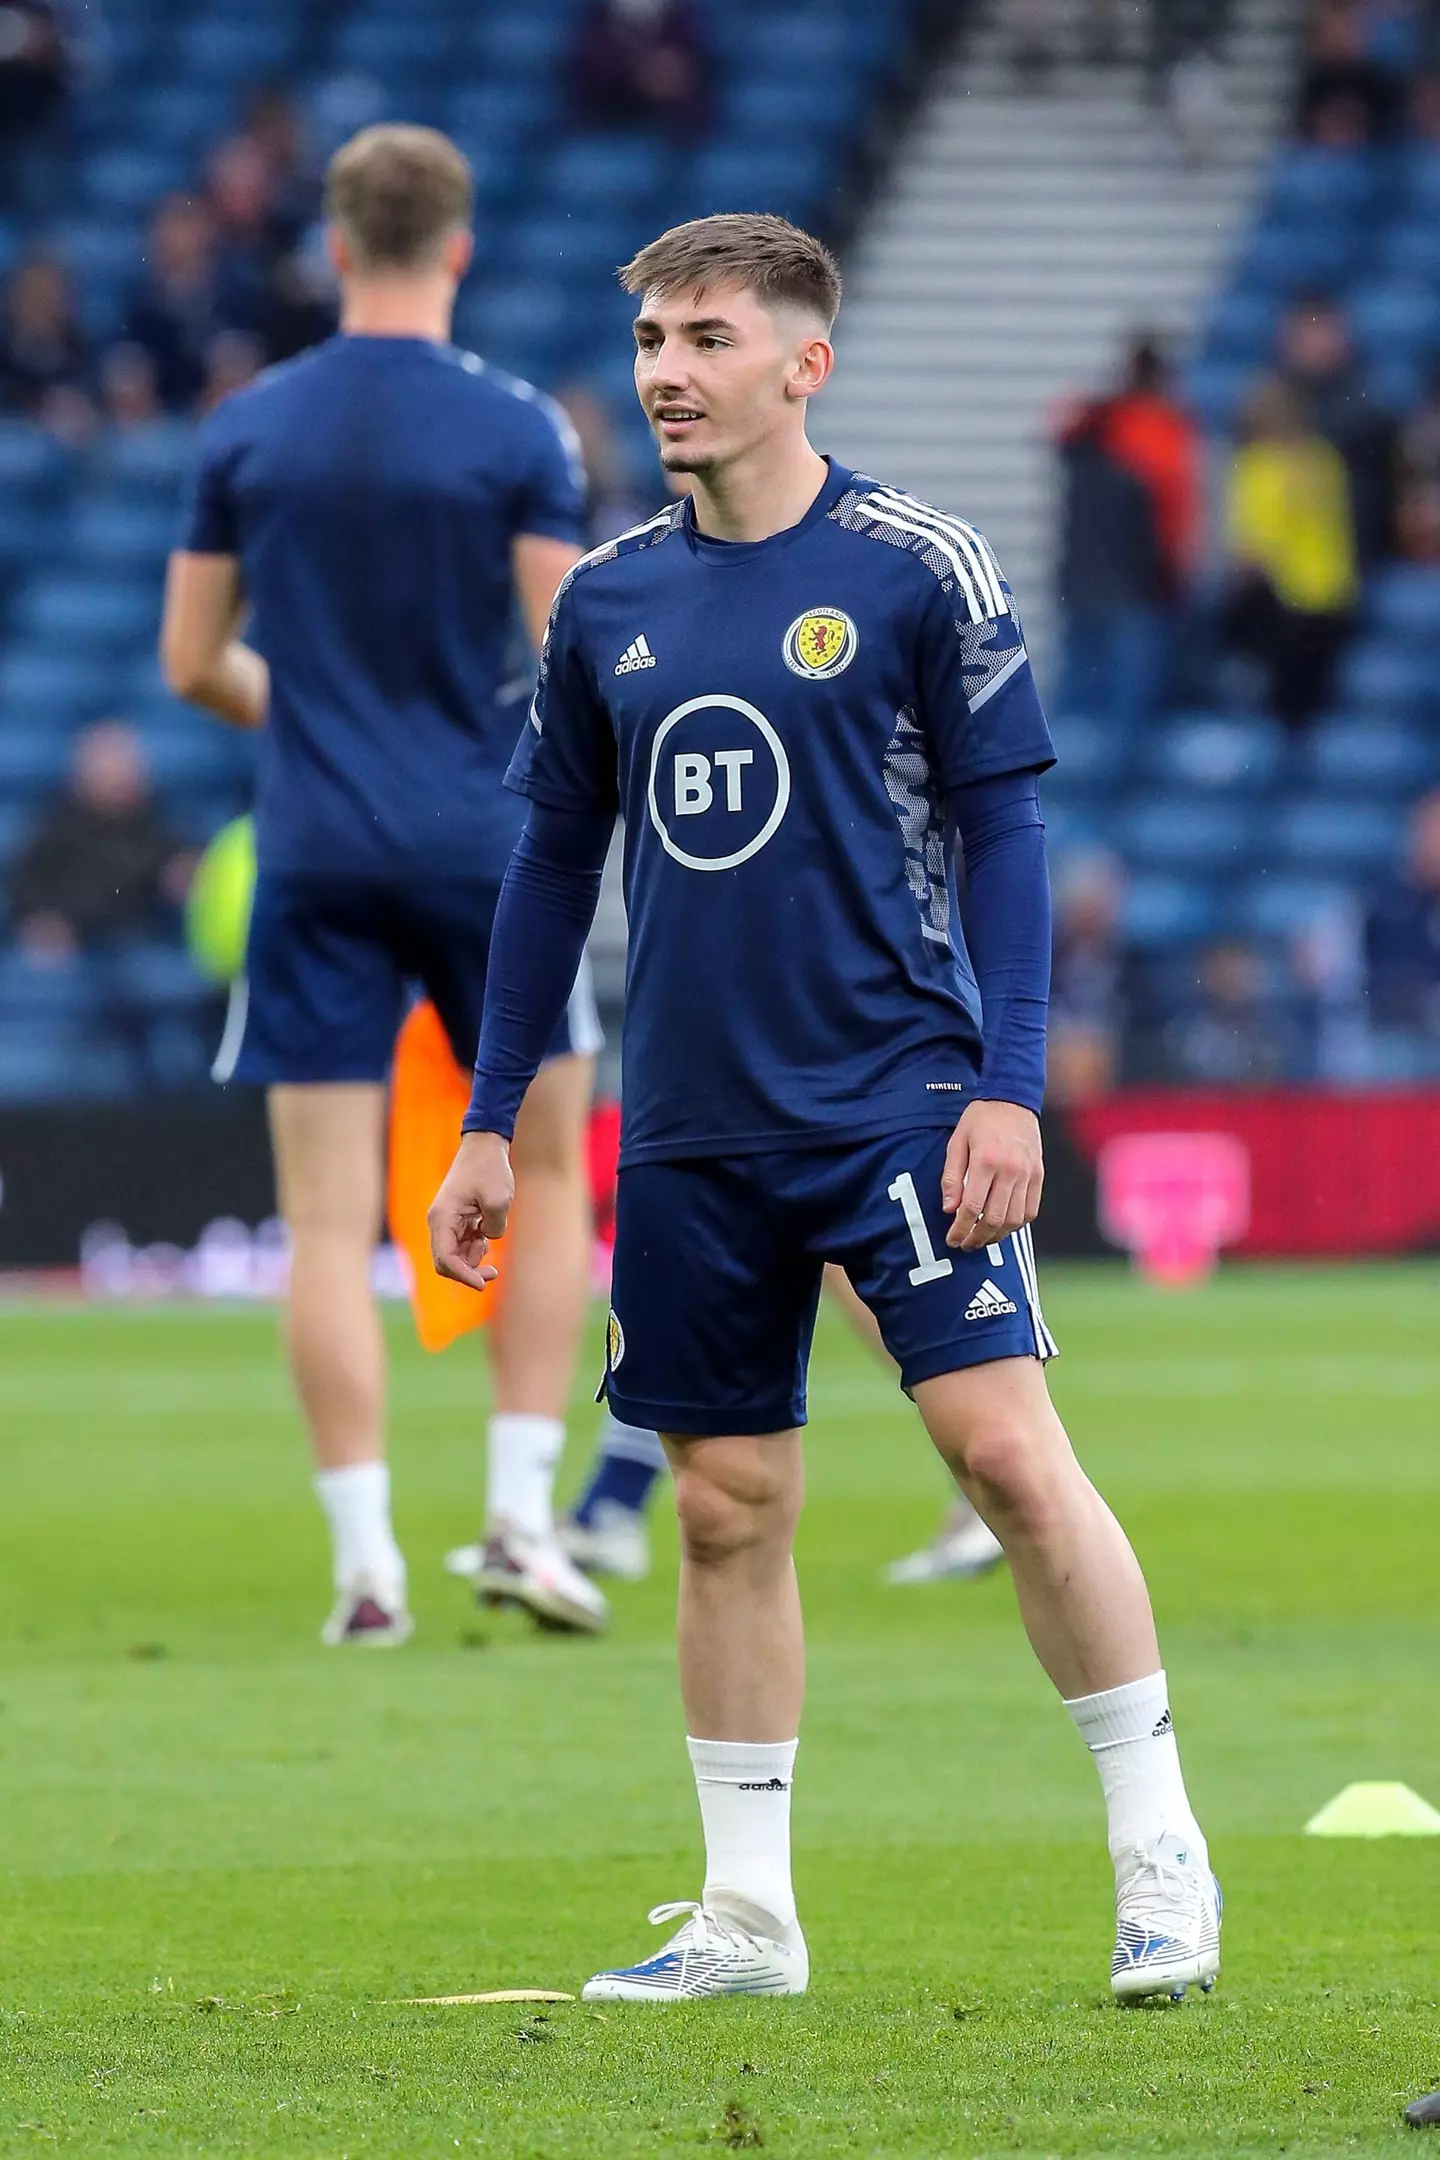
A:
(1129, 1733)
(523, 1453)
(744, 1791)
(356, 1500)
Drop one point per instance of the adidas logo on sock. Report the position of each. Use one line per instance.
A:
(636, 655)
(989, 1303)
(1166, 1724)
(774, 1784)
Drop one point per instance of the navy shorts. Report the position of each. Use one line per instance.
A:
(717, 1279)
(330, 970)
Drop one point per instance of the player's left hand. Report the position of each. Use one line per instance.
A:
(993, 1175)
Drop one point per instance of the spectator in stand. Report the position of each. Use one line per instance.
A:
(1128, 558)
(273, 121)
(180, 305)
(232, 359)
(34, 84)
(612, 503)
(1402, 935)
(1317, 359)
(1089, 986)
(1112, 585)
(1290, 540)
(641, 63)
(101, 865)
(45, 359)
(1417, 522)
(1237, 1029)
(1348, 100)
(129, 392)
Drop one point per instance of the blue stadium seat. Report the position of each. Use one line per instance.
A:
(155, 977)
(29, 535)
(1375, 676)
(194, 758)
(45, 688)
(1185, 832)
(118, 532)
(186, 115)
(390, 46)
(1336, 838)
(790, 182)
(49, 1062)
(519, 324)
(1404, 604)
(150, 460)
(1396, 380)
(1285, 257)
(48, 990)
(1285, 907)
(15, 822)
(1308, 182)
(81, 614)
(517, 43)
(33, 466)
(1216, 751)
(32, 760)
(498, 111)
(236, 48)
(1214, 390)
(1387, 319)
(1091, 753)
(787, 108)
(1161, 911)
(1242, 325)
(130, 179)
(1420, 181)
(824, 43)
(1411, 250)
(556, 245)
(1353, 755)
(608, 172)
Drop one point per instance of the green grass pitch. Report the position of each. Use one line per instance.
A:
(227, 1852)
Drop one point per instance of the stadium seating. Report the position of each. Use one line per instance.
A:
(84, 531)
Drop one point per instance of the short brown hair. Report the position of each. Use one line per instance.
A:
(398, 193)
(765, 255)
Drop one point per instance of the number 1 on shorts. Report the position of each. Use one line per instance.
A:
(928, 1268)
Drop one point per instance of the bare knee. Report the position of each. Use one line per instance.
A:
(1014, 1473)
(728, 1506)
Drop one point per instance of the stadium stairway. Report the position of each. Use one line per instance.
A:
(1025, 233)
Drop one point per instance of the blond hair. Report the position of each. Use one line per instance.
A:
(397, 193)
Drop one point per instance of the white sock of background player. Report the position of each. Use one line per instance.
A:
(356, 1500)
(523, 1454)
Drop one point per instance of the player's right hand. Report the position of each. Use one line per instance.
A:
(471, 1207)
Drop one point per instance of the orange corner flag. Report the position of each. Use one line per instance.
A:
(428, 1098)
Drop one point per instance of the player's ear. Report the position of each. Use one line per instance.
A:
(459, 253)
(811, 367)
(338, 249)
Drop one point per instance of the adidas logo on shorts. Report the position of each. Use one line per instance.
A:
(636, 655)
(989, 1303)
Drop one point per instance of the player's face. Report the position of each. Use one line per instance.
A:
(717, 374)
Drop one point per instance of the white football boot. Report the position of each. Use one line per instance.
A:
(366, 1612)
(534, 1573)
(709, 1954)
(965, 1547)
(1167, 1923)
(613, 1542)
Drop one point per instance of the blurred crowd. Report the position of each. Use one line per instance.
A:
(1306, 1010)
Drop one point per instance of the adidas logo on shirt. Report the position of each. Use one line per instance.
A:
(636, 655)
(989, 1303)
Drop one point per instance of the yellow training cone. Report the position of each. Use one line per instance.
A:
(1376, 1810)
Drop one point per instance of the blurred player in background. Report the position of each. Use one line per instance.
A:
(378, 505)
(839, 686)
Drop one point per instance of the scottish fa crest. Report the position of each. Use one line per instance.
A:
(820, 643)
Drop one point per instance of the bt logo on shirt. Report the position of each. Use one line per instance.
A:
(719, 782)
